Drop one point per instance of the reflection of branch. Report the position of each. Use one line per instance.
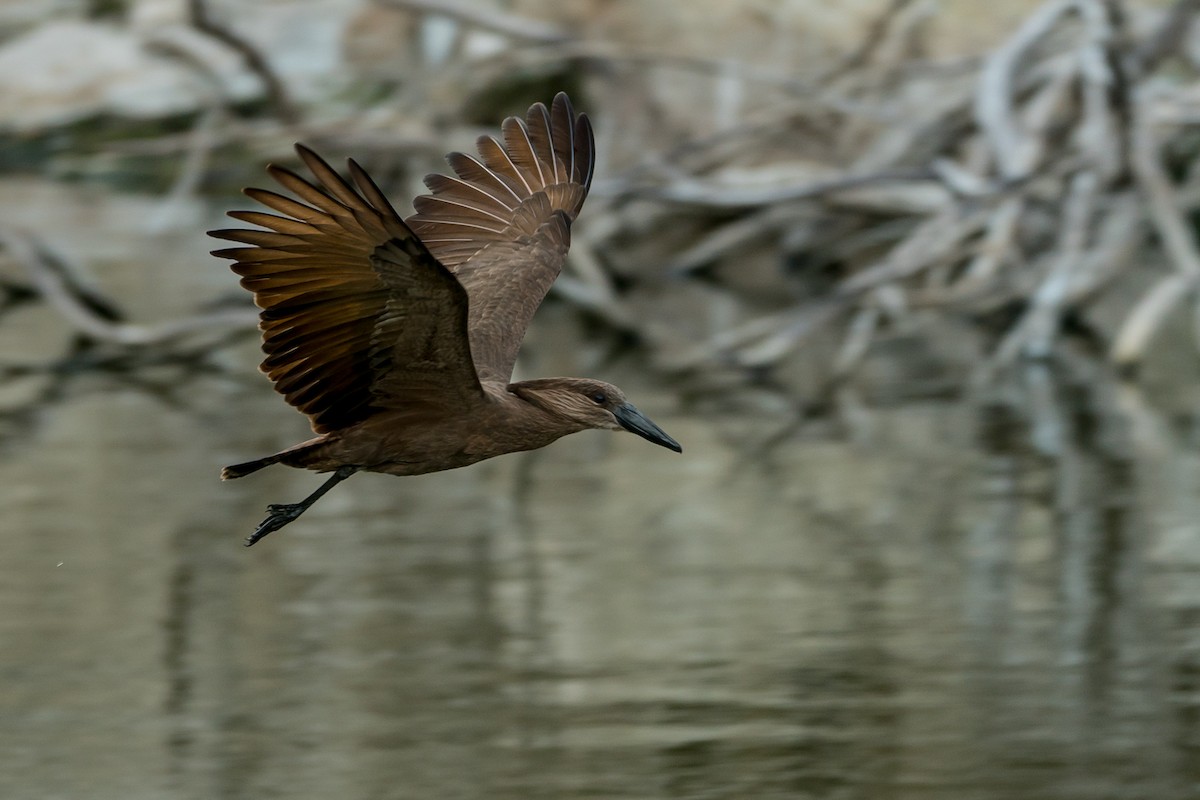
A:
(492, 19)
(104, 343)
(67, 300)
(276, 94)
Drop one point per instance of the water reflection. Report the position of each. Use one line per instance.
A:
(989, 599)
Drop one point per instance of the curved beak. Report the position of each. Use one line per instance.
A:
(635, 421)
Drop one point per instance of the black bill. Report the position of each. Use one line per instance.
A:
(634, 421)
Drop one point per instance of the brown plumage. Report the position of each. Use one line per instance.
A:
(397, 337)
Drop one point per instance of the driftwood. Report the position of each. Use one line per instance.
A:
(1013, 191)
(1044, 189)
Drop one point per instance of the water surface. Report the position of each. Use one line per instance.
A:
(922, 608)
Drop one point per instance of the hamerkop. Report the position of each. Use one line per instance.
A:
(397, 337)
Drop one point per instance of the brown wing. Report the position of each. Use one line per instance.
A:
(357, 314)
(502, 225)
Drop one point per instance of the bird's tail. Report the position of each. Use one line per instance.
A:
(295, 456)
(245, 468)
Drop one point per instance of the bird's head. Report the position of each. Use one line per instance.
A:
(591, 404)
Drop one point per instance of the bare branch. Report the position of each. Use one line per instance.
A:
(1147, 316)
(277, 95)
(995, 100)
(492, 19)
(701, 193)
(1167, 39)
(877, 32)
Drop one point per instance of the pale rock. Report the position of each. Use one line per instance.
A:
(68, 70)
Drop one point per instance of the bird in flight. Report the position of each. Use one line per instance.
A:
(397, 337)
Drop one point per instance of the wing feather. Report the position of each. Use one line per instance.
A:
(497, 159)
(502, 225)
(519, 148)
(475, 172)
(357, 314)
(541, 136)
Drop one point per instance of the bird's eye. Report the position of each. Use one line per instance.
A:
(600, 398)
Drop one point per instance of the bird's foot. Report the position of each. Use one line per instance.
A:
(278, 515)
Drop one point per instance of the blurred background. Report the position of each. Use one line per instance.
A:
(914, 282)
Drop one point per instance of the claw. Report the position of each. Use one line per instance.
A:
(278, 515)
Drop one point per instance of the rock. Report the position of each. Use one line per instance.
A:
(68, 70)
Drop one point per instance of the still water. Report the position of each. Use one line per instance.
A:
(922, 608)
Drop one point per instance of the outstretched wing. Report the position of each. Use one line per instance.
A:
(357, 314)
(502, 225)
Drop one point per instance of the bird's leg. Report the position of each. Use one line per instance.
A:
(280, 514)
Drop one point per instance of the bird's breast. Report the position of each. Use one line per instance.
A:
(417, 441)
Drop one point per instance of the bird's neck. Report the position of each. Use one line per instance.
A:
(535, 415)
